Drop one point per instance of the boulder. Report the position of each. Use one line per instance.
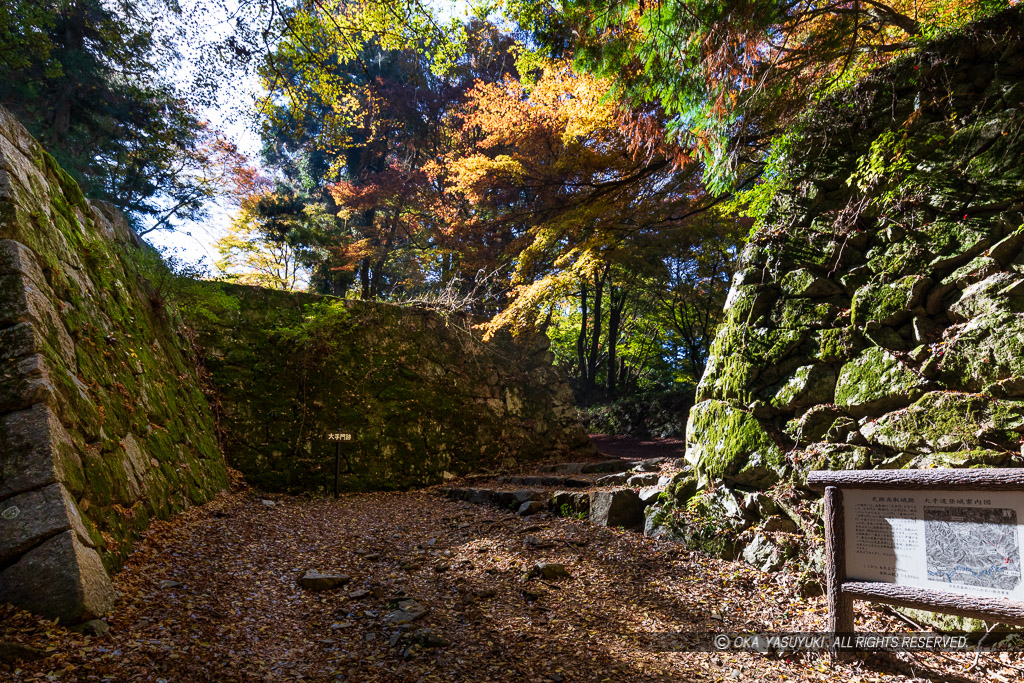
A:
(317, 581)
(779, 523)
(888, 303)
(649, 465)
(763, 554)
(527, 495)
(945, 421)
(807, 385)
(408, 610)
(649, 495)
(531, 507)
(619, 507)
(568, 503)
(606, 466)
(659, 523)
(550, 571)
(876, 382)
(724, 442)
(645, 479)
(616, 479)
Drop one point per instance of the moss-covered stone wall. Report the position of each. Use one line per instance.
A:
(105, 409)
(103, 426)
(420, 391)
(877, 316)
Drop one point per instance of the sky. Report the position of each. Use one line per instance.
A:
(194, 241)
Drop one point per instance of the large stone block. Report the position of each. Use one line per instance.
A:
(61, 578)
(36, 450)
(888, 303)
(620, 507)
(31, 517)
(568, 503)
(724, 442)
(876, 382)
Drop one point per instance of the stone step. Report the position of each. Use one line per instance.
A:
(601, 467)
(546, 480)
(507, 500)
(633, 479)
(616, 507)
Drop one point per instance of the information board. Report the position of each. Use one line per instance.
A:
(956, 541)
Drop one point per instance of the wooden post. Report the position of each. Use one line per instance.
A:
(840, 606)
(337, 466)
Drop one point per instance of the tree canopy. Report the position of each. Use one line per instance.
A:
(575, 168)
(94, 81)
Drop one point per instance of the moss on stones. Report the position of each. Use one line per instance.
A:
(888, 303)
(118, 371)
(420, 393)
(805, 314)
(876, 381)
(911, 232)
(985, 350)
(836, 344)
(737, 356)
(803, 283)
(949, 421)
(724, 442)
(807, 385)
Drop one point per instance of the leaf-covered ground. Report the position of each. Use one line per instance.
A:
(214, 596)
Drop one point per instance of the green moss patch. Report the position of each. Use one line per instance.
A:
(876, 381)
(724, 442)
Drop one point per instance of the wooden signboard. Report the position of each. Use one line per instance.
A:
(939, 539)
(337, 438)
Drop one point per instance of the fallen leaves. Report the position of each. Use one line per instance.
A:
(214, 596)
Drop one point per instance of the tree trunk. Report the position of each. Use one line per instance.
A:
(617, 301)
(74, 41)
(364, 278)
(581, 340)
(595, 335)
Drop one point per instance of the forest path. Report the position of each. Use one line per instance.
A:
(214, 596)
(638, 449)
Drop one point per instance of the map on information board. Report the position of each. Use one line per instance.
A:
(957, 541)
(972, 546)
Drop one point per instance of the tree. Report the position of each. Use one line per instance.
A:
(545, 174)
(250, 256)
(90, 80)
(545, 179)
(354, 129)
(732, 75)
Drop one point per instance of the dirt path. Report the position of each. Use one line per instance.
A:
(638, 449)
(213, 596)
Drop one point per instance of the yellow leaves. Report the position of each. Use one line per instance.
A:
(472, 174)
(248, 256)
(530, 299)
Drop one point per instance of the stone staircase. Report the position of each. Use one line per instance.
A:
(614, 492)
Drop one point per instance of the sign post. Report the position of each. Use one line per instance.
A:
(337, 438)
(938, 539)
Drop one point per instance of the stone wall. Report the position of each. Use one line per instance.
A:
(420, 392)
(877, 316)
(103, 426)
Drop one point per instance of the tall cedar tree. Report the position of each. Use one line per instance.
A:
(87, 78)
